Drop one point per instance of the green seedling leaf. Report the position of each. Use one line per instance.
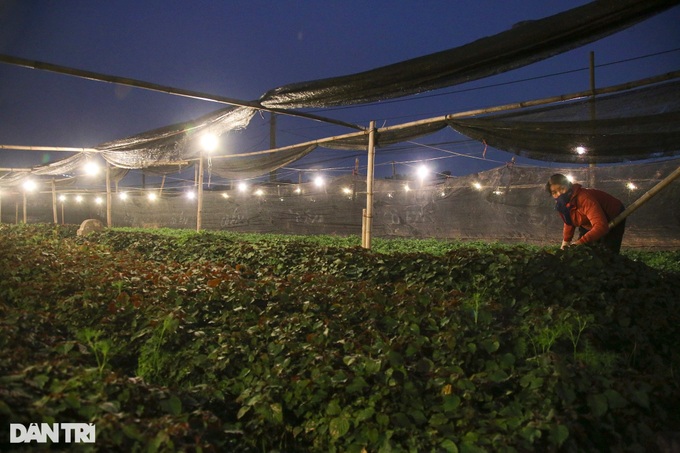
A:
(338, 427)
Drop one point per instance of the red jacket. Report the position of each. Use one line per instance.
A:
(591, 209)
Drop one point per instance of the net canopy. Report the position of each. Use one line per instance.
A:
(508, 203)
(171, 145)
(259, 162)
(639, 125)
(525, 43)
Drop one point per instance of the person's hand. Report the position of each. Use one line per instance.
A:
(565, 244)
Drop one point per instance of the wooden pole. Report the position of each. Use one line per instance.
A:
(199, 209)
(163, 89)
(356, 176)
(363, 228)
(25, 206)
(55, 215)
(109, 217)
(369, 185)
(645, 198)
(593, 116)
(49, 148)
(272, 143)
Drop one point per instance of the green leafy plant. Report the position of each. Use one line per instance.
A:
(574, 326)
(100, 347)
(228, 342)
(152, 356)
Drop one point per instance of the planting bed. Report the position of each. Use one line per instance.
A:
(173, 340)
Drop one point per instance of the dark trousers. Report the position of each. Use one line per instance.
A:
(612, 240)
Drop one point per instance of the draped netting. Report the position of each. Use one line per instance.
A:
(523, 44)
(638, 125)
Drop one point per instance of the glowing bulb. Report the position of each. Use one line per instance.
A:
(570, 178)
(242, 187)
(225, 195)
(191, 195)
(209, 142)
(259, 192)
(62, 198)
(631, 186)
(123, 195)
(30, 185)
(298, 190)
(346, 190)
(406, 188)
(98, 200)
(152, 196)
(79, 199)
(423, 171)
(477, 186)
(581, 150)
(91, 168)
(318, 181)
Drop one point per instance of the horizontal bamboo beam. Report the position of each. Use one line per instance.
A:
(49, 148)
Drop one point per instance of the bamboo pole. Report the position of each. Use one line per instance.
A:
(363, 228)
(470, 113)
(272, 143)
(645, 198)
(109, 216)
(55, 216)
(49, 148)
(163, 89)
(199, 208)
(451, 116)
(369, 185)
(593, 116)
(25, 217)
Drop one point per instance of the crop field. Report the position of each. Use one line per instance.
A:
(171, 340)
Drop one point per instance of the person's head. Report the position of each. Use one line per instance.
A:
(557, 185)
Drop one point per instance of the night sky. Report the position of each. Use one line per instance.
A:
(241, 49)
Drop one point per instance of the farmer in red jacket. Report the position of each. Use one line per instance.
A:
(589, 210)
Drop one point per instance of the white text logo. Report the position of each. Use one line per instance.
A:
(55, 432)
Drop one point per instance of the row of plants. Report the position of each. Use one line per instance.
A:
(665, 260)
(213, 342)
